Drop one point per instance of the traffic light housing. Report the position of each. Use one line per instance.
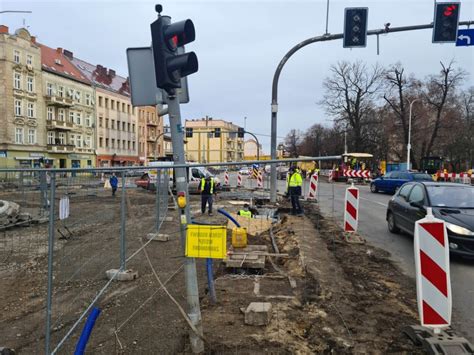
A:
(189, 132)
(240, 132)
(170, 66)
(446, 21)
(217, 132)
(355, 27)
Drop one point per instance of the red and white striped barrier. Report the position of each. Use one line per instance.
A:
(239, 179)
(226, 178)
(351, 212)
(313, 187)
(433, 282)
(465, 177)
(357, 173)
(260, 180)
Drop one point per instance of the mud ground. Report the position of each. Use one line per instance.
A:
(328, 295)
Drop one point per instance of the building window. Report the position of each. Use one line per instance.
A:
(17, 81)
(78, 96)
(133, 145)
(101, 120)
(106, 142)
(100, 101)
(49, 89)
(61, 91)
(88, 120)
(19, 135)
(31, 136)
(128, 125)
(128, 109)
(118, 125)
(88, 99)
(30, 84)
(106, 123)
(17, 107)
(72, 139)
(88, 142)
(29, 59)
(71, 116)
(50, 137)
(133, 128)
(118, 143)
(106, 103)
(113, 124)
(16, 56)
(50, 113)
(123, 106)
(113, 143)
(62, 138)
(101, 142)
(79, 141)
(30, 110)
(124, 142)
(61, 114)
(78, 118)
(128, 145)
(112, 104)
(123, 126)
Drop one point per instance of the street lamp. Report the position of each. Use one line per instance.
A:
(409, 133)
(15, 11)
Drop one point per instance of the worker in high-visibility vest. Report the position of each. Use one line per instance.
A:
(206, 187)
(295, 182)
(245, 212)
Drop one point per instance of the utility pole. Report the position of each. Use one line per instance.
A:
(409, 134)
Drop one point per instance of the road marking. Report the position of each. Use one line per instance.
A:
(378, 203)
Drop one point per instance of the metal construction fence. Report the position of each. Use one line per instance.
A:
(64, 230)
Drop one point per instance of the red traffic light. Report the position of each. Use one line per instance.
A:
(449, 10)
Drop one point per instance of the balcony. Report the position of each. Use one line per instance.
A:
(61, 125)
(58, 101)
(152, 122)
(60, 148)
(151, 138)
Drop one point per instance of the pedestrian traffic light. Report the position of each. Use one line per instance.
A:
(355, 27)
(217, 132)
(170, 66)
(446, 20)
(240, 132)
(189, 132)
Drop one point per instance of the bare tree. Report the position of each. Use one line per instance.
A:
(350, 94)
(292, 142)
(439, 89)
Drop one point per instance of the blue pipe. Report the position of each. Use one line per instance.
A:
(86, 331)
(210, 281)
(223, 212)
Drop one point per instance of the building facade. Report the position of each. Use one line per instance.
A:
(252, 149)
(69, 112)
(150, 134)
(23, 132)
(204, 147)
(117, 121)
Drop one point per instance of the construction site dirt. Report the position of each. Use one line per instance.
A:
(329, 293)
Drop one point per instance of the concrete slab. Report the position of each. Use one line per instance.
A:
(159, 237)
(126, 275)
(248, 257)
(258, 313)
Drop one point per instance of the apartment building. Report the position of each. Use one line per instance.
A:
(204, 147)
(150, 125)
(69, 111)
(117, 121)
(23, 132)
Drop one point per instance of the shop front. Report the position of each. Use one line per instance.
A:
(117, 160)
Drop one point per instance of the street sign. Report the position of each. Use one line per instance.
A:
(465, 38)
(141, 69)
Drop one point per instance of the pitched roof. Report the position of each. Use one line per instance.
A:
(54, 61)
(101, 77)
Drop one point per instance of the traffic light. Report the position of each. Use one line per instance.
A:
(170, 66)
(217, 132)
(189, 132)
(355, 27)
(240, 132)
(446, 20)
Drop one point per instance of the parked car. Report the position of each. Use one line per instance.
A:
(451, 202)
(282, 170)
(392, 181)
(244, 170)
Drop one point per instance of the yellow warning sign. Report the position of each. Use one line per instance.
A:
(206, 241)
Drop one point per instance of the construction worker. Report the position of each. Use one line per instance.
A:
(206, 187)
(295, 181)
(245, 212)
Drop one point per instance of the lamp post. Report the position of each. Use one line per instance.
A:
(409, 133)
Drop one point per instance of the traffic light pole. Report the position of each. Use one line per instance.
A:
(192, 292)
(276, 77)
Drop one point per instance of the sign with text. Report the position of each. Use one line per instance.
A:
(206, 241)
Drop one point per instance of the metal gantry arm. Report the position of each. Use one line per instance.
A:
(276, 77)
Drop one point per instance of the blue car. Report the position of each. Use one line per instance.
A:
(391, 181)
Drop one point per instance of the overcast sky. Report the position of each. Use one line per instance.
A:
(240, 43)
